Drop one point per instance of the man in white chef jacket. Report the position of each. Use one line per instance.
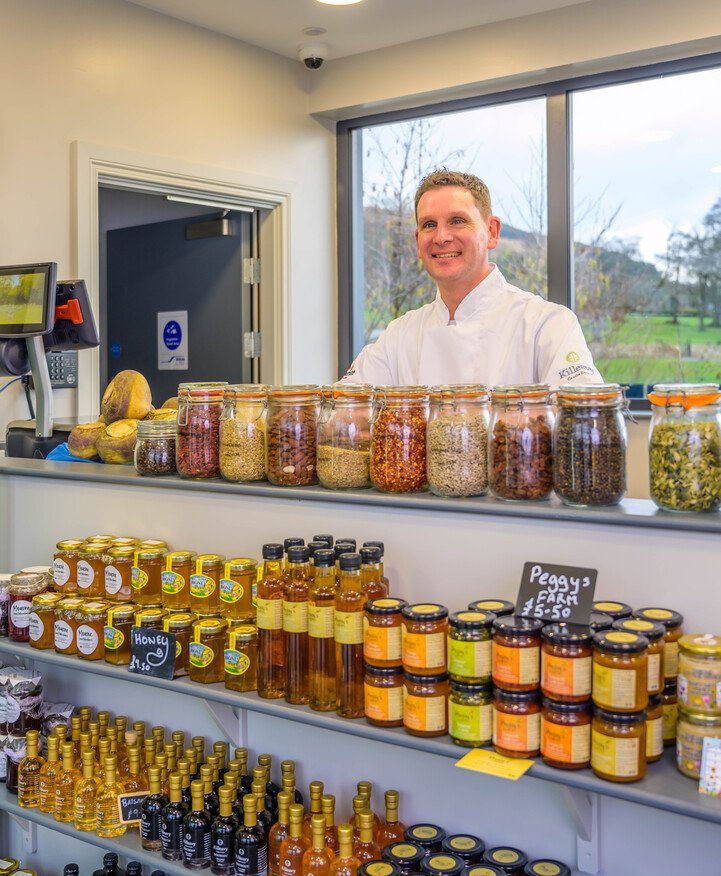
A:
(479, 329)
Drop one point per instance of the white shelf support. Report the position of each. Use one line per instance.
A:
(29, 831)
(232, 722)
(585, 809)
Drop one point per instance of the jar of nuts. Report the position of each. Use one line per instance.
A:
(344, 440)
(398, 438)
(242, 433)
(291, 425)
(197, 445)
(520, 453)
(457, 440)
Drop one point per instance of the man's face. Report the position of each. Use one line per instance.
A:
(453, 238)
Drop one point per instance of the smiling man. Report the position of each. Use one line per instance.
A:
(479, 329)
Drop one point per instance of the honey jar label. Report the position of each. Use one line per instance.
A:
(172, 583)
(654, 737)
(517, 732)
(670, 653)
(321, 623)
(20, 613)
(566, 744)
(615, 757)
(295, 617)
(138, 578)
(63, 634)
(200, 655)
(383, 703)
(614, 688)
(178, 649)
(113, 638)
(470, 723)
(201, 586)
(87, 639)
(85, 574)
(61, 572)
(36, 627)
(236, 662)
(349, 627)
(270, 614)
(424, 651)
(566, 676)
(113, 580)
(654, 672)
(382, 643)
(469, 659)
(425, 714)
(231, 591)
(516, 665)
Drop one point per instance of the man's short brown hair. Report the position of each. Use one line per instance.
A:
(443, 177)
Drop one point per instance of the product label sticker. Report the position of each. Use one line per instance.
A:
(614, 688)
(349, 627)
(20, 613)
(37, 627)
(231, 591)
(470, 723)
(425, 714)
(469, 659)
(61, 572)
(383, 703)
(424, 650)
(516, 665)
(710, 779)
(86, 574)
(113, 580)
(113, 638)
(564, 743)
(201, 655)
(613, 756)
(172, 583)
(270, 614)
(236, 663)
(565, 676)
(138, 578)
(491, 763)
(63, 633)
(295, 617)
(87, 639)
(654, 737)
(517, 732)
(670, 658)
(321, 621)
(178, 649)
(201, 586)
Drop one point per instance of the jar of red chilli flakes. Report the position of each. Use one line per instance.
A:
(200, 406)
(398, 438)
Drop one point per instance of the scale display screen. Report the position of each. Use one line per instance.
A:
(27, 299)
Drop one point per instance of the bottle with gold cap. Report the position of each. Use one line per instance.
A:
(345, 863)
(185, 769)
(191, 755)
(108, 812)
(287, 771)
(220, 749)
(365, 789)
(263, 814)
(151, 811)
(360, 804)
(161, 761)
(321, 633)
(223, 830)
(47, 776)
(350, 668)
(198, 743)
(390, 830)
(327, 802)
(364, 846)
(266, 761)
(148, 753)
(75, 731)
(86, 789)
(65, 781)
(231, 781)
(85, 713)
(251, 842)
(29, 773)
(196, 830)
(178, 737)
(316, 808)
(103, 721)
(241, 754)
(158, 734)
(213, 761)
(279, 831)
(210, 798)
(318, 858)
(171, 820)
(295, 845)
(135, 779)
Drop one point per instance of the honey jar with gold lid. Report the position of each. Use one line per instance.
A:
(241, 657)
(673, 622)
(65, 564)
(620, 671)
(207, 651)
(42, 619)
(118, 572)
(119, 622)
(148, 564)
(236, 588)
(66, 624)
(175, 579)
(151, 617)
(180, 623)
(90, 634)
(91, 569)
(205, 584)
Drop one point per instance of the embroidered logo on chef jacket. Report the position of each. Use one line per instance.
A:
(572, 358)
(575, 371)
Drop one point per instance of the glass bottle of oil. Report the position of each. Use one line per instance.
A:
(135, 779)
(391, 830)
(75, 731)
(148, 754)
(364, 846)
(191, 755)
(360, 804)
(109, 823)
(345, 863)
(288, 543)
(321, 633)
(49, 771)
(196, 830)
(271, 650)
(371, 582)
(241, 754)
(287, 771)
(158, 733)
(350, 668)
(381, 547)
(266, 761)
(295, 626)
(139, 729)
(151, 811)
(327, 802)
(365, 789)
(279, 831)
(222, 833)
(251, 842)
(317, 860)
(171, 756)
(65, 781)
(171, 821)
(29, 773)
(295, 845)
(316, 808)
(85, 713)
(86, 790)
(103, 752)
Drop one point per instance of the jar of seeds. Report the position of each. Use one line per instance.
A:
(242, 433)
(457, 440)
(589, 443)
(685, 446)
(344, 439)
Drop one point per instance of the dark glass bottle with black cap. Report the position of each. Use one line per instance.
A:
(110, 866)
(350, 670)
(134, 868)
(71, 870)
(151, 812)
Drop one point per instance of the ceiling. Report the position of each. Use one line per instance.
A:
(277, 25)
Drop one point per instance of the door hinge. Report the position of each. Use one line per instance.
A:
(251, 345)
(251, 271)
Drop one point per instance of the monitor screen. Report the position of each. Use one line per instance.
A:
(27, 299)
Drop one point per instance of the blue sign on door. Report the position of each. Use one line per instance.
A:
(172, 335)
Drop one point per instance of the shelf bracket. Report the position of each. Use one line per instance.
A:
(585, 808)
(232, 722)
(29, 832)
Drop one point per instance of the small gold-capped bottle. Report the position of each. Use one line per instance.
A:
(86, 794)
(49, 771)
(29, 773)
(65, 785)
(108, 813)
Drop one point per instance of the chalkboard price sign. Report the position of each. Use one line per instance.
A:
(556, 593)
(152, 652)
(130, 806)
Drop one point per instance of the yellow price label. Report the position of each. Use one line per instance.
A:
(493, 764)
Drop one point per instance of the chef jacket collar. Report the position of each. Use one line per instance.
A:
(476, 299)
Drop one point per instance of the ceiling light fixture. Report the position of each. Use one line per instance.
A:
(202, 203)
(339, 2)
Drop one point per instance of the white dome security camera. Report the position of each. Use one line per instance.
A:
(313, 54)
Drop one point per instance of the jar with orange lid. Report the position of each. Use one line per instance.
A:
(66, 624)
(620, 671)
(180, 624)
(197, 446)
(119, 621)
(398, 438)
(566, 662)
(23, 588)
(119, 562)
(425, 638)
(470, 645)
(383, 690)
(516, 653)
(291, 424)
(91, 569)
(207, 651)
(699, 673)
(205, 584)
(517, 723)
(673, 622)
(150, 618)
(654, 632)
(457, 440)
(175, 580)
(618, 745)
(148, 564)
(65, 564)
(566, 734)
(344, 436)
(241, 658)
(236, 588)
(654, 729)
(382, 642)
(90, 634)
(470, 713)
(425, 707)
(42, 619)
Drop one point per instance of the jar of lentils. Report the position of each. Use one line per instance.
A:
(291, 459)
(398, 439)
(242, 433)
(344, 441)
(457, 440)
(200, 406)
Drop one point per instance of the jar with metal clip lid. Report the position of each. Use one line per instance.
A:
(344, 436)
(65, 564)
(457, 440)
(242, 433)
(200, 406)
(155, 447)
(42, 619)
(291, 424)
(589, 444)
(685, 446)
(180, 623)
(398, 438)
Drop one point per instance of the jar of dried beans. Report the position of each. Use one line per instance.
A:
(344, 442)
(457, 440)
(155, 447)
(398, 439)
(291, 435)
(242, 433)
(200, 406)
(589, 442)
(520, 454)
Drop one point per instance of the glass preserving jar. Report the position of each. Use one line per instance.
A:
(468, 847)
(566, 734)
(618, 745)
(91, 569)
(155, 447)
(547, 867)
(200, 406)
(119, 622)
(66, 625)
(236, 588)
(398, 439)
(175, 580)
(207, 651)
(516, 653)
(4, 601)
(509, 861)
(241, 658)
(180, 624)
(699, 673)
(691, 730)
(428, 836)
(406, 855)
(23, 587)
(566, 662)
(620, 671)
(499, 607)
(382, 642)
(673, 621)
(457, 440)
(654, 729)
(344, 442)
(150, 618)
(614, 610)
(470, 646)
(669, 703)
(424, 640)
(65, 564)
(242, 433)
(90, 633)
(654, 632)
(205, 584)
(470, 713)
(118, 573)
(520, 453)
(291, 425)
(517, 723)
(42, 619)
(589, 445)
(425, 708)
(383, 696)
(148, 564)
(685, 446)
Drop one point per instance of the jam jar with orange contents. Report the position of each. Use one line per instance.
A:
(620, 671)
(566, 662)
(517, 653)
(236, 588)
(91, 569)
(205, 584)
(120, 620)
(425, 709)
(90, 634)
(119, 573)
(383, 695)
(566, 734)
(425, 638)
(382, 642)
(23, 587)
(175, 580)
(66, 624)
(207, 651)
(618, 745)
(673, 622)
(181, 625)
(470, 646)
(65, 564)
(42, 619)
(654, 632)
(148, 564)
(517, 723)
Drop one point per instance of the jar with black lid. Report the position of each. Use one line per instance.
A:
(566, 734)
(499, 607)
(517, 653)
(615, 610)
(547, 867)
(466, 846)
(428, 836)
(383, 690)
(470, 646)
(442, 864)
(484, 870)
(620, 671)
(618, 745)
(669, 703)
(517, 723)
(566, 662)
(673, 621)
(379, 868)
(382, 642)
(508, 860)
(470, 714)
(600, 621)
(425, 705)
(654, 632)
(425, 645)
(407, 855)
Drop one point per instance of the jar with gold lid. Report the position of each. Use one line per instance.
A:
(91, 569)
(654, 729)
(124, 541)
(120, 620)
(42, 619)
(241, 658)
(470, 646)
(236, 588)
(618, 745)
(516, 653)
(673, 621)
(547, 867)
(65, 564)
(382, 642)
(148, 564)
(566, 662)
(692, 728)
(620, 671)
(566, 734)
(207, 651)
(425, 638)
(66, 624)
(180, 623)
(383, 691)
(175, 580)
(425, 708)
(150, 618)
(157, 544)
(517, 723)
(23, 588)
(699, 673)
(118, 572)
(90, 634)
(470, 713)
(205, 584)
(654, 632)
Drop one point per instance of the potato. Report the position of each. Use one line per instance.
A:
(82, 441)
(162, 414)
(171, 402)
(127, 397)
(116, 442)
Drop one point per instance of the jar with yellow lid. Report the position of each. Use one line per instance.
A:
(42, 619)
(669, 701)
(517, 723)
(150, 618)
(8, 866)
(241, 658)
(566, 734)
(90, 634)
(470, 713)
(124, 541)
(428, 836)
(181, 625)
(23, 588)
(439, 864)
(470, 639)
(484, 870)
(236, 588)
(91, 569)
(405, 854)
(207, 651)
(673, 622)
(699, 673)
(654, 729)
(118, 574)
(101, 537)
(499, 607)
(425, 708)
(468, 847)
(692, 728)
(382, 642)
(654, 632)
(516, 664)
(566, 662)
(618, 745)
(120, 620)
(148, 564)
(383, 691)
(66, 624)
(620, 671)
(65, 564)
(175, 580)
(205, 584)
(425, 638)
